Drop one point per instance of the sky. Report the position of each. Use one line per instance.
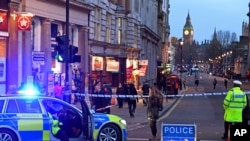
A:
(206, 15)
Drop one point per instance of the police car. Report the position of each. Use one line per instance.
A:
(25, 118)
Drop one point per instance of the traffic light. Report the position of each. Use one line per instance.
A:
(73, 57)
(61, 48)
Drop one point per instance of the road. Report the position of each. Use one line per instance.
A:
(206, 112)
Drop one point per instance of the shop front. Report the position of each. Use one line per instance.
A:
(3, 49)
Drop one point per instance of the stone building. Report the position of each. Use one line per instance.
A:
(30, 27)
(149, 38)
(114, 41)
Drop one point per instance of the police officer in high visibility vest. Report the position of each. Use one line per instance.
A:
(234, 102)
(56, 126)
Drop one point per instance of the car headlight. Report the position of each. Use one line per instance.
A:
(123, 121)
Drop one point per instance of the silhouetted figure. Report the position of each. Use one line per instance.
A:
(214, 83)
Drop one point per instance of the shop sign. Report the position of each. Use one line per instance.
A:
(143, 67)
(3, 21)
(112, 66)
(129, 71)
(97, 63)
(142, 70)
(23, 22)
(143, 62)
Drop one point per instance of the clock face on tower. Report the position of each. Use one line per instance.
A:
(186, 32)
(192, 32)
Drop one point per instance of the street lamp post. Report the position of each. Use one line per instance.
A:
(180, 46)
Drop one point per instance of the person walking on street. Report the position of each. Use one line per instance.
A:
(233, 104)
(145, 92)
(184, 83)
(108, 92)
(214, 83)
(131, 91)
(99, 103)
(120, 91)
(155, 104)
(225, 83)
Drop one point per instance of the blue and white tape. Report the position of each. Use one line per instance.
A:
(144, 96)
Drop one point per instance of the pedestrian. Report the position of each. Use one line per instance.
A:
(120, 91)
(99, 103)
(57, 124)
(233, 104)
(225, 83)
(196, 83)
(132, 99)
(246, 113)
(108, 92)
(145, 92)
(155, 104)
(176, 87)
(184, 83)
(58, 90)
(214, 83)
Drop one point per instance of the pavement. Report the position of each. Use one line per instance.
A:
(140, 118)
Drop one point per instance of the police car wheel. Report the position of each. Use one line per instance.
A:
(7, 135)
(109, 132)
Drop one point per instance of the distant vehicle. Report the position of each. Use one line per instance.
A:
(24, 117)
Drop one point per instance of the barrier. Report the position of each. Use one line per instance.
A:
(144, 96)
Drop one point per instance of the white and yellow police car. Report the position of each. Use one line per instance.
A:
(25, 118)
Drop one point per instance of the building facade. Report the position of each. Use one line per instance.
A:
(149, 38)
(28, 41)
(115, 38)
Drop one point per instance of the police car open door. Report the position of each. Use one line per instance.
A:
(77, 123)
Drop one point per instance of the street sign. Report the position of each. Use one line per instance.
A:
(178, 132)
(38, 57)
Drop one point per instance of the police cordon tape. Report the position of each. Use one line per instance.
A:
(144, 96)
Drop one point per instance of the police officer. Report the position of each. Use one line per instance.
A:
(56, 126)
(234, 102)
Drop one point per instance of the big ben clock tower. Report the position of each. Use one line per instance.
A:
(188, 31)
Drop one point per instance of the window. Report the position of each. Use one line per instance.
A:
(119, 31)
(119, 36)
(29, 106)
(108, 35)
(108, 27)
(97, 24)
(119, 22)
(12, 107)
(1, 105)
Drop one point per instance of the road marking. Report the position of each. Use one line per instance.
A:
(171, 109)
(137, 139)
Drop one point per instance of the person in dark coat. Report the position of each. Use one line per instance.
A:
(108, 91)
(120, 91)
(155, 104)
(99, 103)
(131, 90)
(225, 84)
(145, 92)
(246, 113)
